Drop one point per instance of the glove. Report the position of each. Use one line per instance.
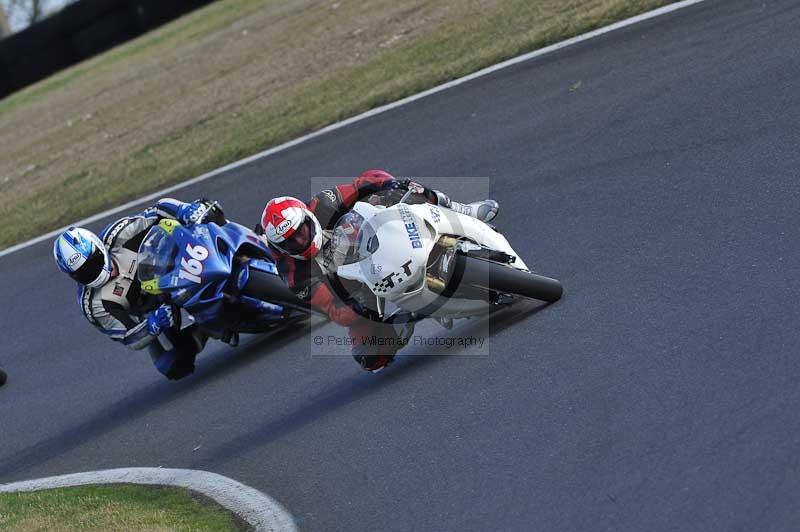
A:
(407, 184)
(191, 213)
(200, 211)
(160, 319)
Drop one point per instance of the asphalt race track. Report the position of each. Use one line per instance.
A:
(654, 170)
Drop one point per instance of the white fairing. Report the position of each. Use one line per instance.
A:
(406, 234)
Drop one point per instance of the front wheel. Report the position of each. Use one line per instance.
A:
(271, 288)
(3, 377)
(497, 277)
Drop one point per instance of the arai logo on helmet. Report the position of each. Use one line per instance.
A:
(283, 226)
(75, 257)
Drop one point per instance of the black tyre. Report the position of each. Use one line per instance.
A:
(3, 377)
(272, 289)
(500, 278)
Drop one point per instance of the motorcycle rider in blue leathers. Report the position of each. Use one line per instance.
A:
(110, 294)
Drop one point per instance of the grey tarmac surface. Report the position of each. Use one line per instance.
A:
(654, 171)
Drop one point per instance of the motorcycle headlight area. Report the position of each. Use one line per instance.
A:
(157, 255)
(353, 240)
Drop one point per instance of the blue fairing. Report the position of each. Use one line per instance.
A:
(194, 266)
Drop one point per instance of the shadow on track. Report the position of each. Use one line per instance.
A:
(143, 401)
(356, 387)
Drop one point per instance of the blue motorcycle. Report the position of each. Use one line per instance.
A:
(223, 276)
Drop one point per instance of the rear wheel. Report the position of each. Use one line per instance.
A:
(3, 377)
(497, 277)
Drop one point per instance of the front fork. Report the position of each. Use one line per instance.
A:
(442, 265)
(437, 273)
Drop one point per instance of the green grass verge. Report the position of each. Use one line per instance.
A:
(113, 507)
(59, 172)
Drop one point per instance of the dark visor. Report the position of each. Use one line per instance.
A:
(90, 270)
(300, 239)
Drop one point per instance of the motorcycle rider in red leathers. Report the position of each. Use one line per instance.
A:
(299, 231)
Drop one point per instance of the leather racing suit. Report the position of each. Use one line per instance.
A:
(118, 308)
(308, 279)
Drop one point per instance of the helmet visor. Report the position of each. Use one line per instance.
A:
(300, 240)
(90, 270)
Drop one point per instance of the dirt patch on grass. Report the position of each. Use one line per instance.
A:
(239, 76)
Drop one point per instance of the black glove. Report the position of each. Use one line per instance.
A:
(407, 184)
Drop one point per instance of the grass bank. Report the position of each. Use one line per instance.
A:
(113, 507)
(239, 76)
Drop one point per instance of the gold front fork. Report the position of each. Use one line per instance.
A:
(437, 284)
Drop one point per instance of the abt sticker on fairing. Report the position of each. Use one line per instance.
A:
(411, 226)
(192, 269)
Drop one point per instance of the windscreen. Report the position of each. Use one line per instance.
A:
(353, 239)
(157, 255)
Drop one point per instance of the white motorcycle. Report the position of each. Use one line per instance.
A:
(429, 261)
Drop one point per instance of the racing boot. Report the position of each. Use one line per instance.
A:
(485, 210)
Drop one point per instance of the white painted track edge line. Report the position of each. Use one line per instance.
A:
(669, 8)
(258, 509)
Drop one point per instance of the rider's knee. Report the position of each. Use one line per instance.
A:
(370, 359)
(176, 363)
(174, 367)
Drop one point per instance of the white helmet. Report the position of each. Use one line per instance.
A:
(81, 254)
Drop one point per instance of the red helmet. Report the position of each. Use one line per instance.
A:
(292, 228)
